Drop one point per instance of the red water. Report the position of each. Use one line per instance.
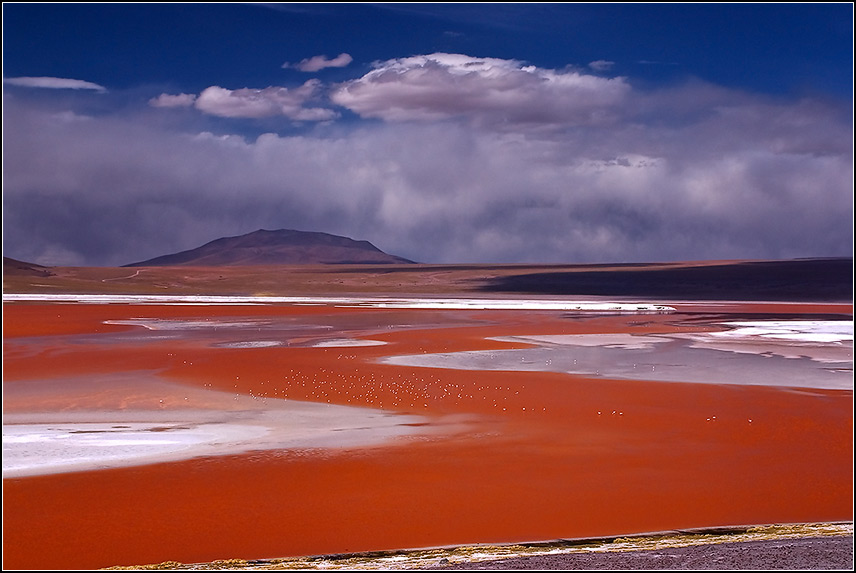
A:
(540, 463)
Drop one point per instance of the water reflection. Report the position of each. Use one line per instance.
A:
(708, 358)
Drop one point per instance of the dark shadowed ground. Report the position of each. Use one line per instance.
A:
(796, 280)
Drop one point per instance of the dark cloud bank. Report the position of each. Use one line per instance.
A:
(442, 158)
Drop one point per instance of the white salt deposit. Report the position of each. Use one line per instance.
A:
(31, 449)
(184, 324)
(250, 344)
(426, 303)
(608, 340)
(46, 443)
(801, 330)
(827, 341)
(345, 342)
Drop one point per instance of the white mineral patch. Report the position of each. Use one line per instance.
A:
(219, 323)
(56, 442)
(609, 340)
(383, 302)
(344, 342)
(801, 330)
(827, 341)
(250, 344)
(183, 324)
(30, 449)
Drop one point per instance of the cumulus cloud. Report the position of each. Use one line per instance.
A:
(486, 90)
(54, 83)
(170, 100)
(316, 63)
(267, 102)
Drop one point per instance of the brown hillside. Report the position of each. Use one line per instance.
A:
(284, 246)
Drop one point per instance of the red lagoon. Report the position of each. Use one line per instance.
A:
(482, 456)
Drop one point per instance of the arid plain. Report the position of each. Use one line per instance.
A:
(202, 413)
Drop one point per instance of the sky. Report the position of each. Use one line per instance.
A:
(443, 133)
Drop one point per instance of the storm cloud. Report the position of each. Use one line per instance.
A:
(456, 159)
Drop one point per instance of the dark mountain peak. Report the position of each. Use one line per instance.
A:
(282, 246)
(264, 237)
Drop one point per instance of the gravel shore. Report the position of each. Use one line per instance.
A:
(818, 547)
(810, 553)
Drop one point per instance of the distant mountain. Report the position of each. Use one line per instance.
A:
(282, 247)
(13, 267)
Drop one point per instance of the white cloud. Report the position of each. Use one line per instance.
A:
(267, 102)
(170, 100)
(316, 63)
(486, 90)
(54, 83)
(601, 65)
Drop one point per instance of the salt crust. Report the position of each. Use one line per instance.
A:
(800, 330)
(57, 442)
(345, 342)
(427, 303)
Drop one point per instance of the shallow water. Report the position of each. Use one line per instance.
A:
(677, 358)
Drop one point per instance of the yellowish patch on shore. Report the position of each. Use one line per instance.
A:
(449, 556)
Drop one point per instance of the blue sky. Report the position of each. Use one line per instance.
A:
(443, 133)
